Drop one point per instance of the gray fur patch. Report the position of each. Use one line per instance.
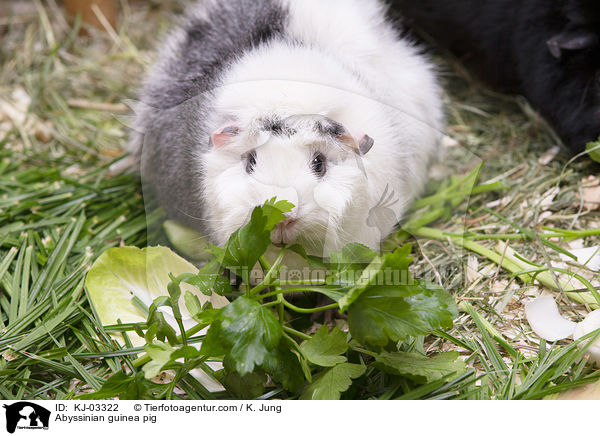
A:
(177, 98)
(210, 45)
(329, 128)
(277, 127)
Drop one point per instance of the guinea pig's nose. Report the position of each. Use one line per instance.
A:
(284, 232)
(287, 222)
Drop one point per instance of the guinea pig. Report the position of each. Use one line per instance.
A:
(320, 103)
(546, 50)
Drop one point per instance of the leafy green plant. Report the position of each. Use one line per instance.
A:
(593, 149)
(253, 337)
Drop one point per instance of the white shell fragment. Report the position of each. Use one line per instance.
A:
(588, 325)
(545, 320)
(588, 256)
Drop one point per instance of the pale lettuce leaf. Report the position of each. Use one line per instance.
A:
(122, 273)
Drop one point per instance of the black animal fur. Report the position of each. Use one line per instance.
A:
(547, 50)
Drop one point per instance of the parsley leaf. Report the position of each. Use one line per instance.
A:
(245, 332)
(392, 313)
(418, 367)
(329, 384)
(274, 211)
(324, 348)
(248, 243)
(386, 271)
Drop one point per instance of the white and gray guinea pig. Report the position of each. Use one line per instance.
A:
(319, 102)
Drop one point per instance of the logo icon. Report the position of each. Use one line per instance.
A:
(26, 415)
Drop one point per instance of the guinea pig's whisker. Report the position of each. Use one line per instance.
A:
(197, 218)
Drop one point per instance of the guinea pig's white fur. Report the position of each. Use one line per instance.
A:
(340, 60)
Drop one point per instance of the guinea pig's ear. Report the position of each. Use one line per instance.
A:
(365, 144)
(333, 128)
(571, 41)
(224, 135)
(360, 147)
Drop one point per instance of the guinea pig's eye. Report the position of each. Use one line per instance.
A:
(250, 159)
(318, 164)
